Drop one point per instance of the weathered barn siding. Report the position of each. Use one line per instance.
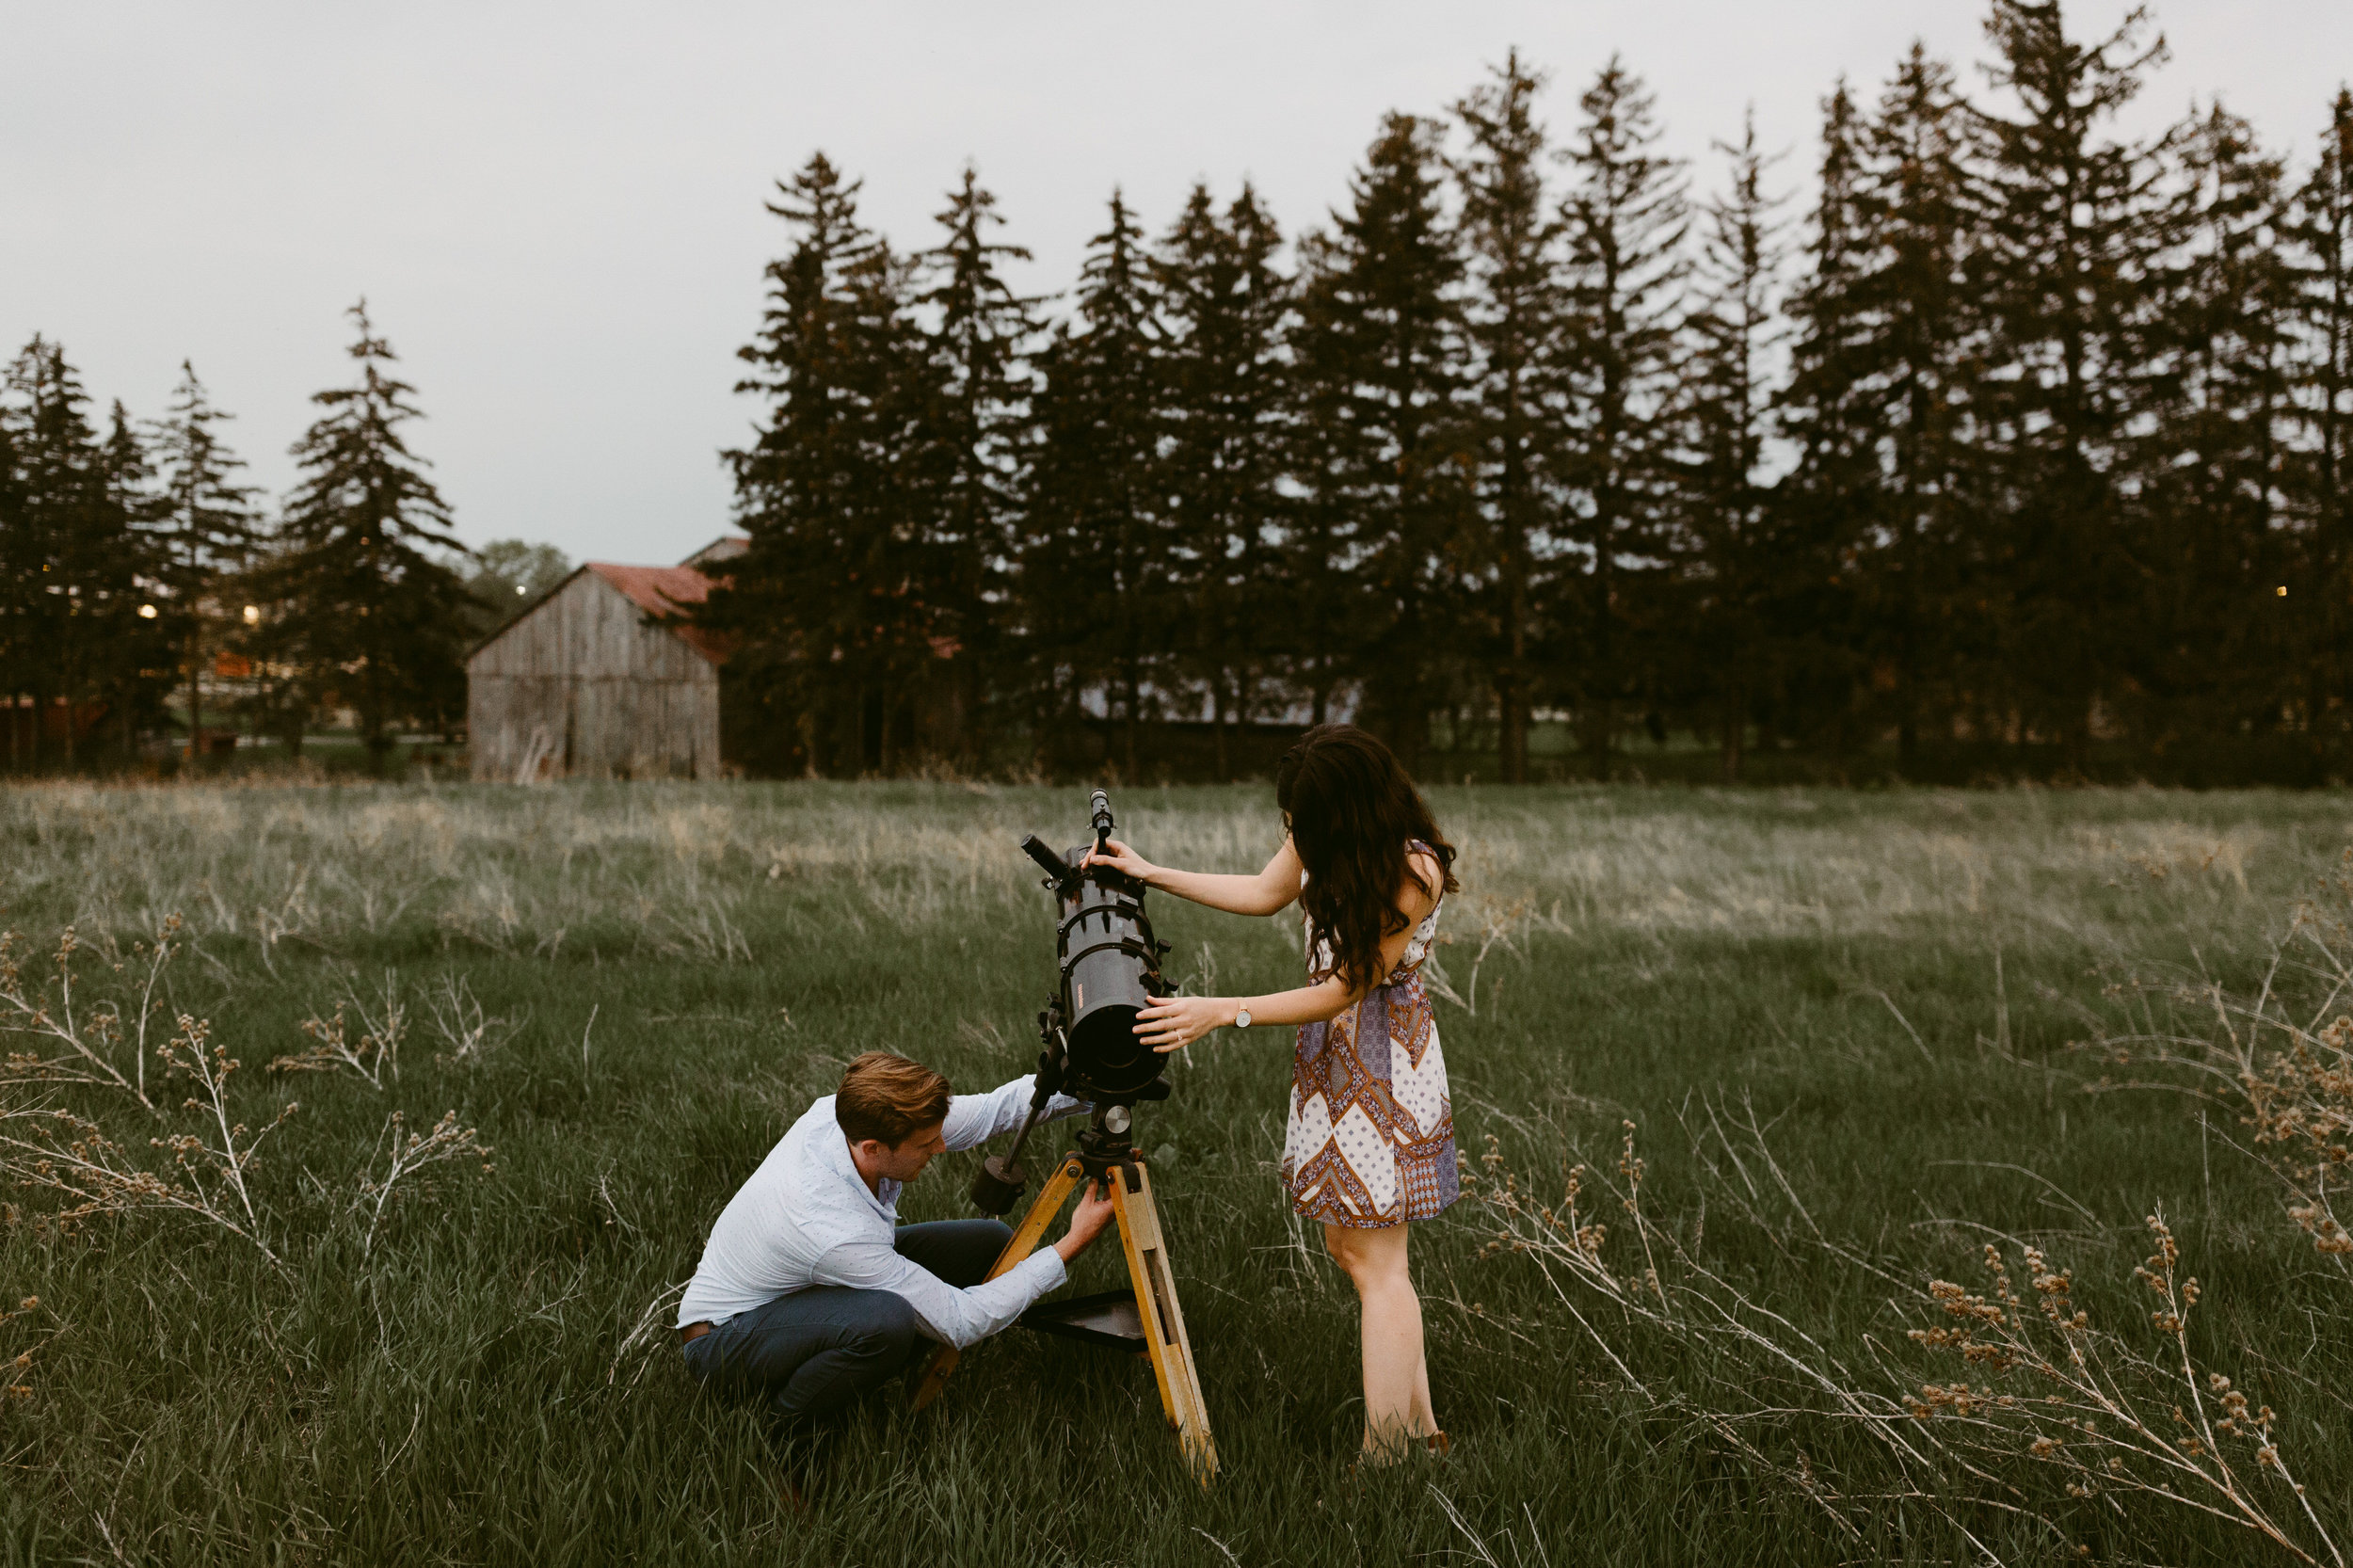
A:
(580, 686)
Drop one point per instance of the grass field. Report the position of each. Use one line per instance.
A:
(1840, 1023)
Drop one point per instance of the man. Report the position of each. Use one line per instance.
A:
(811, 1292)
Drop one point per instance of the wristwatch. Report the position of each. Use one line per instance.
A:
(1241, 1018)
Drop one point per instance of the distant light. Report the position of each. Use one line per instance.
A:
(2283, 590)
(521, 590)
(147, 612)
(253, 615)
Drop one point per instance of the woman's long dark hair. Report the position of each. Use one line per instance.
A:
(1352, 813)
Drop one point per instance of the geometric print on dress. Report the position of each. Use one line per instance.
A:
(1369, 1139)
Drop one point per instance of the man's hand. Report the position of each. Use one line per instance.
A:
(1087, 1221)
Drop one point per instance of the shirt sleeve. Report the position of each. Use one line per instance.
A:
(977, 1118)
(953, 1317)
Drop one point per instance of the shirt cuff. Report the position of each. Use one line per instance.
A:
(1045, 1271)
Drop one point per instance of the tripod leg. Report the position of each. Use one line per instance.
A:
(1026, 1237)
(1163, 1319)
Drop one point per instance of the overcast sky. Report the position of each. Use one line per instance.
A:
(554, 210)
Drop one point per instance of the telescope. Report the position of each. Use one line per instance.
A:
(1110, 966)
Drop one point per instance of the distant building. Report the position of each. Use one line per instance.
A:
(581, 687)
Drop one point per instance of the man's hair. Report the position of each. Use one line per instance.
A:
(886, 1097)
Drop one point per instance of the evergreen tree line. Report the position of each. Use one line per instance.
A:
(139, 573)
(2025, 449)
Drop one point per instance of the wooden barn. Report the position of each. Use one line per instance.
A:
(582, 686)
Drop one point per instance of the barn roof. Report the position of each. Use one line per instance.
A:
(663, 592)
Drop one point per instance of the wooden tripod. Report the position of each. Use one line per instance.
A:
(1161, 1319)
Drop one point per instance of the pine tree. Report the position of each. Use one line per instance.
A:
(203, 527)
(2073, 225)
(1739, 555)
(1917, 365)
(137, 644)
(2210, 648)
(977, 437)
(2320, 596)
(1626, 218)
(1096, 563)
(1377, 556)
(359, 598)
(1826, 412)
(51, 448)
(73, 554)
(1520, 335)
(18, 575)
(829, 605)
(1224, 444)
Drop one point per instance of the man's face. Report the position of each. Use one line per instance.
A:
(904, 1160)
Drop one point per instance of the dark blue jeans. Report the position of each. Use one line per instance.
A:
(815, 1352)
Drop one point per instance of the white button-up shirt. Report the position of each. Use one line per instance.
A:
(806, 1217)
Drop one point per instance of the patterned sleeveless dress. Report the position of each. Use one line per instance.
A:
(1370, 1141)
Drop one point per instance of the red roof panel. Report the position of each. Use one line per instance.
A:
(663, 592)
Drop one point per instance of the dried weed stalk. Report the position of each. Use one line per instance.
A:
(488, 917)
(2281, 1057)
(81, 1043)
(208, 1174)
(376, 1055)
(2121, 1422)
(647, 1337)
(407, 1156)
(703, 932)
(19, 1366)
(292, 918)
(459, 1020)
(1663, 1286)
(2118, 1421)
(1500, 925)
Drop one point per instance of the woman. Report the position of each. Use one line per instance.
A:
(1370, 1146)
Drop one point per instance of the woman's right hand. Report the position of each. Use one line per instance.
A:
(1121, 859)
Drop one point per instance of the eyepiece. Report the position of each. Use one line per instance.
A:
(1053, 865)
(1101, 806)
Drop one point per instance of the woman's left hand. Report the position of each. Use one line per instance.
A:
(1173, 1023)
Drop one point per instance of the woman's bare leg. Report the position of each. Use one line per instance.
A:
(1397, 1376)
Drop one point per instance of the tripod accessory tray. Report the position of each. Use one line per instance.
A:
(1109, 1318)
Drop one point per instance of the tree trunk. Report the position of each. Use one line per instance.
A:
(1129, 732)
(196, 695)
(1512, 740)
(1594, 719)
(1512, 690)
(1224, 772)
